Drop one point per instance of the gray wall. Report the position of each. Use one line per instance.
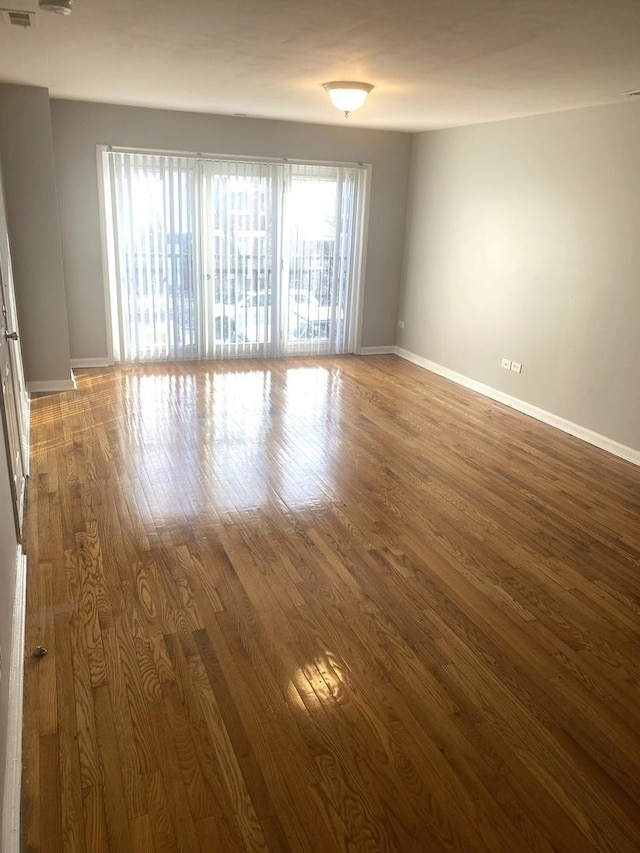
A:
(26, 151)
(79, 127)
(523, 241)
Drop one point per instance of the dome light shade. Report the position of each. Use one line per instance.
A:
(61, 7)
(347, 95)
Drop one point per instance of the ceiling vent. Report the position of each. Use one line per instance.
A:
(18, 18)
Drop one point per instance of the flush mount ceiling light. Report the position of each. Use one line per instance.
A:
(347, 95)
(61, 7)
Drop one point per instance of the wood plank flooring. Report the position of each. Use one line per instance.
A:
(326, 605)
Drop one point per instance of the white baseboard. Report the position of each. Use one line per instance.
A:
(591, 437)
(90, 362)
(52, 386)
(13, 769)
(377, 350)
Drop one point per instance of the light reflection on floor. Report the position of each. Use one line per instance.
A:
(321, 682)
(233, 439)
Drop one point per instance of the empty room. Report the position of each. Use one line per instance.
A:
(320, 398)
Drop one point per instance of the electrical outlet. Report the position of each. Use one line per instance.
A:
(401, 324)
(506, 363)
(516, 367)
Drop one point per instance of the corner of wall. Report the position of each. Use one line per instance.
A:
(30, 193)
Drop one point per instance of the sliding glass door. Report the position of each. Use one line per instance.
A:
(321, 254)
(238, 258)
(215, 258)
(152, 232)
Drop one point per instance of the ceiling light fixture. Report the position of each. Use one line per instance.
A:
(61, 7)
(347, 95)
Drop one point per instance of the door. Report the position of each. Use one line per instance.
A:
(237, 258)
(320, 248)
(222, 258)
(14, 402)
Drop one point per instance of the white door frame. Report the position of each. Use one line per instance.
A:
(14, 398)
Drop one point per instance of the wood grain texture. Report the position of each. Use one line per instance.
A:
(325, 605)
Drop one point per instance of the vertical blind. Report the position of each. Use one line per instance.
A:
(221, 258)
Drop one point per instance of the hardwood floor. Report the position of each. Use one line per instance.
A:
(326, 605)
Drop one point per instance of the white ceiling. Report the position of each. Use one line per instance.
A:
(434, 63)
